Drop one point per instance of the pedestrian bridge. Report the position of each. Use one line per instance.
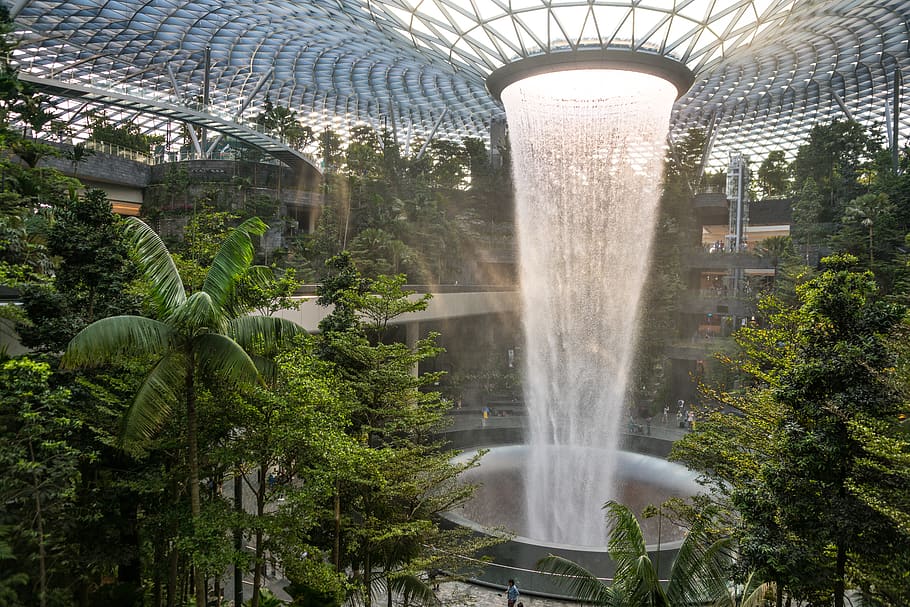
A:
(442, 306)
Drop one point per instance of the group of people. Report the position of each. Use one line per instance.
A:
(684, 419)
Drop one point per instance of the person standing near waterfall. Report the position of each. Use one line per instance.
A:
(512, 593)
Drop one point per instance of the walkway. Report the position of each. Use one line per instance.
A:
(132, 101)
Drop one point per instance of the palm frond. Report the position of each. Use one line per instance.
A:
(265, 333)
(627, 544)
(112, 338)
(699, 572)
(266, 366)
(197, 312)
(233, 258)
(414, 591)
(222, 357)
(577, 582)
(643, 586)
(754, 592)
(157, 266)
(636, 577)
(154, 401)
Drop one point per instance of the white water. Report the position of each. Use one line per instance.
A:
(587, 153)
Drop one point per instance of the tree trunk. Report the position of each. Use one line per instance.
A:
(260, 511)
(336, 548)
(191, 438)
(367, 576)
(870, 248)
(840, 572)
(173, 575)
(39, 519)
(238, 535)
(156, 580)
(130, 570)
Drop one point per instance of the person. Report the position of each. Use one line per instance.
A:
(512, 593)
(690, 418)
(666, 416)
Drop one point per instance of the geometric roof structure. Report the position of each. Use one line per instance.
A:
(765, 70)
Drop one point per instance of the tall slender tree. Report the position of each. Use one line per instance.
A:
(191, 338)
(815, 463)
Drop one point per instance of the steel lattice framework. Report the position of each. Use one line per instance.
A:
(766, 70)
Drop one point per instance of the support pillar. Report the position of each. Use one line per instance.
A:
(206, 83)
(895, 120)
(411, 337)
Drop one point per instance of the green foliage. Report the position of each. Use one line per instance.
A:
(803, 464)
(283, 123)
(697, 575)
(91, 278)
(39, 471)
(396, 478)
(863, 218)
(839, 157)
(205, 336)
(127, 135)
(267, 599)
(774, 175)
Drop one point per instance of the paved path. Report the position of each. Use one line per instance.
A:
(458, 594)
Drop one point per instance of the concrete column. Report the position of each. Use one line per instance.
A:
(411, 337)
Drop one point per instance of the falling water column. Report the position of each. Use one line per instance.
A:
(587, 150)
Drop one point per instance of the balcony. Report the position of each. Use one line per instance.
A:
(702, 259)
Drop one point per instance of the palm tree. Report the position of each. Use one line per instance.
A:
(869, 210)
(697, 575)
(203, 336)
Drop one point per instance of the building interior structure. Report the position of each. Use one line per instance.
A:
(174, 108)
(764, 72)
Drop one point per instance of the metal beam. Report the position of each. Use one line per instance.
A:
(709, 144)
(178, 94)
(842, 105)
(423, 149)
(245, 104)
(206, 84)
(177, 113)
(16, 8)
(895, 120)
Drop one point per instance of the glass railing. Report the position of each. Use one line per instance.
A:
(104, 147)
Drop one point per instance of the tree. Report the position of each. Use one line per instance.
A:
(201, 337)
(295, 425)
(869, 211)
(774, 175)
(807, 206)
(91, 277)
(78, 154)
(775, 248)
(39, 471)
(385, 515)
(803, 464)
(836, 157)
(698, 574)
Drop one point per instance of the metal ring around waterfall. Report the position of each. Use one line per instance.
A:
(669, 69)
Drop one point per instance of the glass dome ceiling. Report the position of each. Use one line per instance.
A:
(766, 70)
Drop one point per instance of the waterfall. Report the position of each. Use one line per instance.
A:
(587, 154)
